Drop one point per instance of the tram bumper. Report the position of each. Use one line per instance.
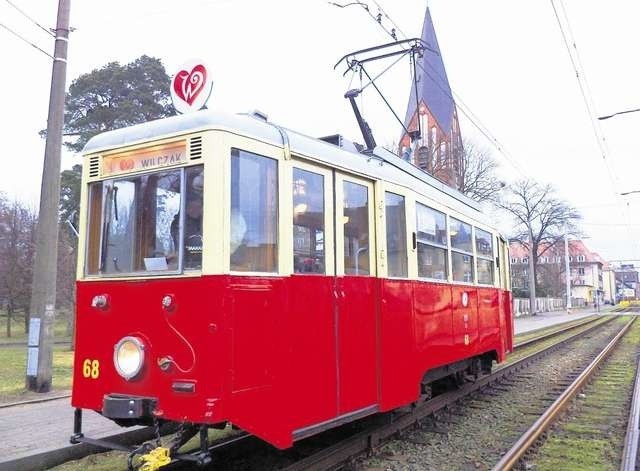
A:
(119, 406)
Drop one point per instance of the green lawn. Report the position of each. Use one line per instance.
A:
(12, 372)
(17, 327)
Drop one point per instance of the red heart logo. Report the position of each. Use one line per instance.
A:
(126, 164)
(188, 85)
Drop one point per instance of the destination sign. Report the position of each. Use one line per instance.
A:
(145, 159)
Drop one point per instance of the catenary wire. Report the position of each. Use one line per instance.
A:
(22, 38)
(589, 103)
(49, 32)
(465, 109)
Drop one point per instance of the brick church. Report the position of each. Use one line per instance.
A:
(439, 149)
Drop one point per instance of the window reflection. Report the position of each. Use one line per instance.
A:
(254, 212)
(356, 229)
(484, 243)
(308, 222)
(485, 271)
(460, 233)
(462, 267)
(431, 231)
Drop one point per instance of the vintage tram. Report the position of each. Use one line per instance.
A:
(233, 271)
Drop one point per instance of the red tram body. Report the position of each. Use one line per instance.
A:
(311, 342)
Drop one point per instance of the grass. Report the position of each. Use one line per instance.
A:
(18, 333)
(13, 366)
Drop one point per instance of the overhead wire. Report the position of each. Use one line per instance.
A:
(587, 97)
(49, 32)
(464, 108)
(22, 38)
(484, 130)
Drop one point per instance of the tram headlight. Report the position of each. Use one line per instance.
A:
(128, 357)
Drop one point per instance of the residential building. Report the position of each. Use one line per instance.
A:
(586, 271)
(432, 110)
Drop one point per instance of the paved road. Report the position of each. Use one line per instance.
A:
(32, 428)
(547, 319)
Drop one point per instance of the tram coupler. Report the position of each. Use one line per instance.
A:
(201, 458)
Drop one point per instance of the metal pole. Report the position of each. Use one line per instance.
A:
(532, 274)
(567, 268)
(43, 290)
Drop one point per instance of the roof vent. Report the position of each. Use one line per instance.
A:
(195, 148)
(261, 115)
(94, 166)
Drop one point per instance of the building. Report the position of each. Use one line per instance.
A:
(586, 272)
(432, 109)
(627, 285)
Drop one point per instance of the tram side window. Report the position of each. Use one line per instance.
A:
(461, 251)
(254, 212)
(484, 251)
(308, 222)
(356, 229)
(396, 235)
(432, 243)
(94, 229)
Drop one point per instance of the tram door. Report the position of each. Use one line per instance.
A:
(356, 295)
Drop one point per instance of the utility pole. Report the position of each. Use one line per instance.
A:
(567, 268)
(532, 273)
(43, 290)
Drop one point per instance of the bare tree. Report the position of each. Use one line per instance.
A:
(17, 223)
(479, 180)
(541, 220)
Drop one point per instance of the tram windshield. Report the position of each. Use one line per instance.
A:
(146, 224)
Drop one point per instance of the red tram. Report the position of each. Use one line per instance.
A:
(233, 271)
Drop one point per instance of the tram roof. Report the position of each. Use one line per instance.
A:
(383, 164)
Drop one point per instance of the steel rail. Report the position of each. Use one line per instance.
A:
(510, 458)
(362, 442)
(630, 450)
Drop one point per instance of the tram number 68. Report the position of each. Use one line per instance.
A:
(91, 368)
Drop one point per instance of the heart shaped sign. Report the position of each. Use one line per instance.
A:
(191, 87)
(188, 85)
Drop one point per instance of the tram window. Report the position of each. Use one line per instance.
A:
(356, 229)
(95, 224)
(485, 271)
(462, 267)
(192, 222)
(308, 222)
(484, 243)
(396, 235)
(432, 243)
(254, 212)
(460, 234)
(484, 251)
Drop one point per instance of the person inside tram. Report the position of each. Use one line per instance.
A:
(192, 232)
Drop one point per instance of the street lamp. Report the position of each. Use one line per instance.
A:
(602, 118)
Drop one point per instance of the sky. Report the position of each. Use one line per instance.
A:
(506, 62)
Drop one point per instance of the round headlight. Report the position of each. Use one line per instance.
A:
(128, 357)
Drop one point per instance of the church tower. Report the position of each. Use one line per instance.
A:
(439, 149)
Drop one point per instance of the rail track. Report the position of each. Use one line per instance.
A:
(532, 435)
(369, 433)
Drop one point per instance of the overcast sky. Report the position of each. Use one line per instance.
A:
(506, 60)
